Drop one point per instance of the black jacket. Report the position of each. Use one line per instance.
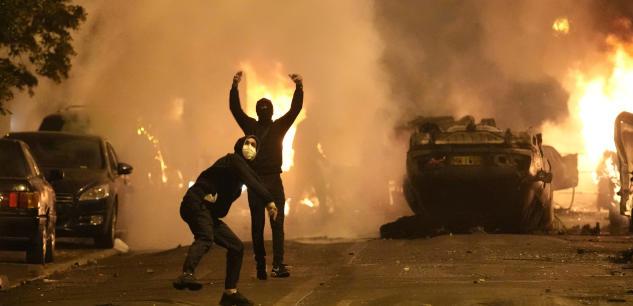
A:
(271, 133)
(225, 178)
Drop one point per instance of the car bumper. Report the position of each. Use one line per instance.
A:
(83, 219)
(19, 227)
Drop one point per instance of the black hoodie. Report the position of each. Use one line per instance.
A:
(271, 133)
(225, 178)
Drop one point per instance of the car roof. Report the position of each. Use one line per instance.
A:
(47, 134)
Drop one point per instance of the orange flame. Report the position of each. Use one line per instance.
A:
(597, 96)
(142, 131)
(561, 26)
(280, 92)
(600, 100)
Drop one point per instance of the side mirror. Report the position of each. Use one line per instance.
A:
(54, 175)
(545, 177)
(123, 168)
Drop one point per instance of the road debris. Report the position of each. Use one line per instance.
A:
(121, 246)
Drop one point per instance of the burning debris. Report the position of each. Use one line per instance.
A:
(561, 26)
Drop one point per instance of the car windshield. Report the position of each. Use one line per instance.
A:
(12, 162)
(64, 151)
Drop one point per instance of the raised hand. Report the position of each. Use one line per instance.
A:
(237, 77)
(296, 78)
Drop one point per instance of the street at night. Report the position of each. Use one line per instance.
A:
(316, 152)
(473, 269)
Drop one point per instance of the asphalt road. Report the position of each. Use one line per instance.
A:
(70, 252)
(475, 269)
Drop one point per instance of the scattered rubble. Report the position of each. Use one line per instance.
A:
(626, 257)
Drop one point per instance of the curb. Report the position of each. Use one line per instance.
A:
(52, 268)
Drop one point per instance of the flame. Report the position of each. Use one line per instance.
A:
(561, 26)
(142, 131)
(311, 202)
(598, 93)
(279, 92)
(599, 100)
(287, 207)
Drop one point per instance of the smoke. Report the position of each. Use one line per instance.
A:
(166, 67)
(486, 58)
(505, 59)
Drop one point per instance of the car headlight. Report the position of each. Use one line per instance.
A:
(95, 193)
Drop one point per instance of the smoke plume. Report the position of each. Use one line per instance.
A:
(166, 67)
(154, 77)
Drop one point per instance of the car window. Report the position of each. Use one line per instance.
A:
(31, 161)
(12, 161)
(61, 151)
(113, 158)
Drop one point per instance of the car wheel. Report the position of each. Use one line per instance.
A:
(50, 246)
(36, 250)
(106, 239)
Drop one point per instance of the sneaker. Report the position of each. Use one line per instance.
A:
(280, 271)
(235, 299)
(187, 281)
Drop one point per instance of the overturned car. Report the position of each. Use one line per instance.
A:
(462, 174)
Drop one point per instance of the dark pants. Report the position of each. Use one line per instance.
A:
(206, 230)
(258, 219)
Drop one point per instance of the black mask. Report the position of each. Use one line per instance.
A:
(264, 109)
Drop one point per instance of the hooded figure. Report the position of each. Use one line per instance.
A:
(209, 200)
(264, 110)
(268, 167)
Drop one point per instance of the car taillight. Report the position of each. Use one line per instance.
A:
(20, 199)
(29, 199)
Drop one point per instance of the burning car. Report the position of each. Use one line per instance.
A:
(461, 174)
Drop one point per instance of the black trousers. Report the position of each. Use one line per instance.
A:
(258, 219)
(206, 230)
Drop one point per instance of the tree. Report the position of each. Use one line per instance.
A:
(35, 38)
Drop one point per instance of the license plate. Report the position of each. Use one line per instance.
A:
(466, 160)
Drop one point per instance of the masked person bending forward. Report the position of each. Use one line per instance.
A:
(209, 200)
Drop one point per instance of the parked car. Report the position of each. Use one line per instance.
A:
(91, 186)
(27, 204)
(462, 174)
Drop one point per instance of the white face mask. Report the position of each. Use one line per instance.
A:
(249, 152)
